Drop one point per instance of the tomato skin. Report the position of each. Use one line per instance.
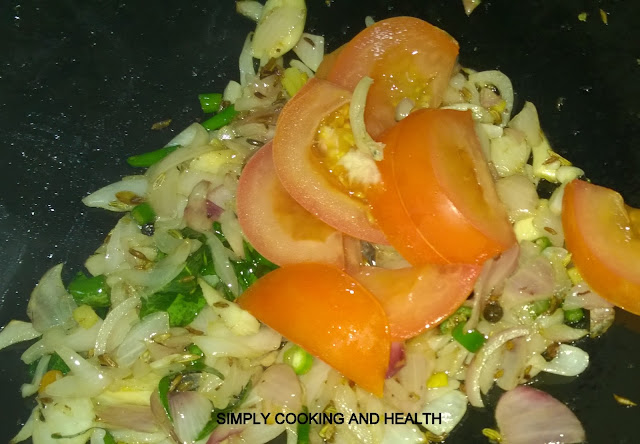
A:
(276, 225)
(300, 172)
(386, 52)
(330, 315)
(418, 298)
(603, 236)
(437, 202)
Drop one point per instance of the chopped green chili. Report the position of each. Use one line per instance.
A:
(210, 102)
(163, 391)
(108, 438)
(221, 119)
(148, 159)
(462, 314)
(233, 404)
(572, 316)
(471, 340)
(143, 214)
(303, 428)
(299, 359)
(91, 291)
(539, 307)
(543, 242)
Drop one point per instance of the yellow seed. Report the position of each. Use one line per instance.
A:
(438, 380)
(48, 378)
(500, 106)
(624, 401)
(604, 16)
(582, 16)
(493, 435)
(85, 316)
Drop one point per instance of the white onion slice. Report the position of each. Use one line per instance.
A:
(41, 369)
(403, 434)
(527, 121)
(190, 411)
(519, 196)
(279, 387)
(245, 61)
(127, 416)
(64, 417)
(50, 305)
(27, 429)
(570, 361)
(83, 380)
(529, 416)
(17, 331)
(222, 264)
(533, 281)
(219, 345)
(500, 81)
(239, 321)
(232, 92)
(193, 134)
(110, 322)
(279, 29)
(106, 198)
(478, 113)
(450, 407)
(474, 371)
(363, 140)
(310, 49)
(295, 63)
(134, 344)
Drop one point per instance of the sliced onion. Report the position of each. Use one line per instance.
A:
(451, 407)
(295, 63)
(134, 344)
(27, 429)
(346, 402)
(250, 9)
(232, 92)
(500, 81)
(397, 359)
(84, 379)
(131, 436)
(179, 156)
(228, 344)
(314, 381)
(403, 434)
(50, 305)
(127, 416)
(201, 212)
(68, 417)
(279, 387)
(470, 5)
(474, 371)
(222, 264)
(41, 369)
(190, 411)
(569, 361)
(582, 296)
(239, 321)
(224, 432)
(533, 281)
(279, 28)
(527, 121)
(529, 416)
(519, 196)
(545, 221)
(245, 62)
(600, 319)
(112, 319)
(509, 153)
(363, 140)
(106, 198)
(17, 331)
(478, 113)
(310, 49)
(563, 333)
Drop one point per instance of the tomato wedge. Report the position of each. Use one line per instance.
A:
(437, 202)
(330, 315)
(276, 225)
(301, 171)
(603, 236)
(406, 57)
(418, 298)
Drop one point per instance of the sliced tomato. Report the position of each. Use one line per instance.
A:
(300, 170)
(437, 202)
(276, 225)
(603, 236)
(327, 63)
(406, 57)
(330, 315)
(418, 298)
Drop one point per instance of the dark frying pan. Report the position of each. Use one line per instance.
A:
(81, 83)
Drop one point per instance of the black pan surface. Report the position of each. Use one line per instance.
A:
(81, 83)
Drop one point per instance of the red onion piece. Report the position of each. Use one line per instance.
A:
(213, 210)
(532, 282)
(472, 380)
(195, 214)
(493, 274)
(125, 416)
(191, 411)
(162, 419)
(529, 416)
(280, 385)
(397, 359)
(223, 432)
(582, 296)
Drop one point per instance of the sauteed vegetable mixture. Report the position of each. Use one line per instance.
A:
(350, 247)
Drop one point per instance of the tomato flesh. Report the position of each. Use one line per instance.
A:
(301, 170)
(330, 315)
(406, 57)
(437, 202)
(276, 225)
(418, 298)
(603, 236)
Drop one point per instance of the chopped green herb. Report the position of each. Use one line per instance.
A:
(108, 438)
(221, 119)
(187, 280)
(181, 307)
(235, 403)
(163, 391)
(304, 428)
(471, 340)
(91, 291)
(56, 363)
(299, 359)
(198, 365)
(143, 214)
(147, 159)
(210, 102)
(573, 316)
(462, 314)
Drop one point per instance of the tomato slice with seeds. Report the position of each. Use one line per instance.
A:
(406, 57)
(276, 225)
(418, 298)
(437, 202)
(329, 314)
(603, 236)
(312, 176)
